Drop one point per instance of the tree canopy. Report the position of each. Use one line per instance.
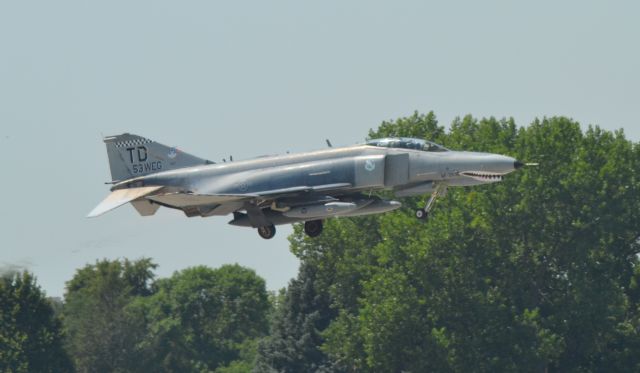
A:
(31, 338)
(119, 318)
(103, 332)
(203, 319)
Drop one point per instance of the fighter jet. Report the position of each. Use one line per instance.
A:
(306, 187)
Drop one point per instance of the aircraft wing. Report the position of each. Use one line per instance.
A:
(192, 199)
(189, 199)
(222, 204)
(119, 197)
(217, 204)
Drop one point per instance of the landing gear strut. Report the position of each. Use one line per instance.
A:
(423, 213)
(267, 231)
(313, 228)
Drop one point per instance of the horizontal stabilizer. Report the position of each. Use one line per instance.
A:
(119, 197)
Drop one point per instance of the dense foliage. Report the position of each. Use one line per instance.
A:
(102, 331)
(294, 343)
(30, 334)
(538, 273)
(198, 320)
(203, 319)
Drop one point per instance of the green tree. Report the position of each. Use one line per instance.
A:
(295, 339)
(31, 337)
(203, 319)
(103, 331)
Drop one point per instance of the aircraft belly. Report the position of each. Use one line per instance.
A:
(321, 210)
(275, 218)
(415, 190)
(226, 208)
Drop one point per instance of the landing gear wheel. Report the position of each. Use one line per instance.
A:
(421, 214)
(267, 232)
(313, 228)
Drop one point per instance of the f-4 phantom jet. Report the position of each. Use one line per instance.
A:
(305, 187)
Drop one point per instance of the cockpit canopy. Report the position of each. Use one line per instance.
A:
(407, 143)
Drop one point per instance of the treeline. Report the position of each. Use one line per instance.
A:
(116, 317)
(538, 273)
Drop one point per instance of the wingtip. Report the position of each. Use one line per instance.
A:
(92, 214)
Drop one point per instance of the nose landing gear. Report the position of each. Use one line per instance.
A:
(423, 213)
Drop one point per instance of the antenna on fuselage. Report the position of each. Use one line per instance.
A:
(329, 143)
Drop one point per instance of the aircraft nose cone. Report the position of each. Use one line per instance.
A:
(518, 164)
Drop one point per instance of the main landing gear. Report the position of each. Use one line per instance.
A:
(423, 213)
(267, 231)
(313, 228)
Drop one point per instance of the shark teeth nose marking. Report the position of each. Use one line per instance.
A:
(483, 176)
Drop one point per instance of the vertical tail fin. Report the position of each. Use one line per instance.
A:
(132, 156)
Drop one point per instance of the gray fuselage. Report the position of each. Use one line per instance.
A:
(364, 167)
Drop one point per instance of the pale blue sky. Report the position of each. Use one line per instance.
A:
(258, 77)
